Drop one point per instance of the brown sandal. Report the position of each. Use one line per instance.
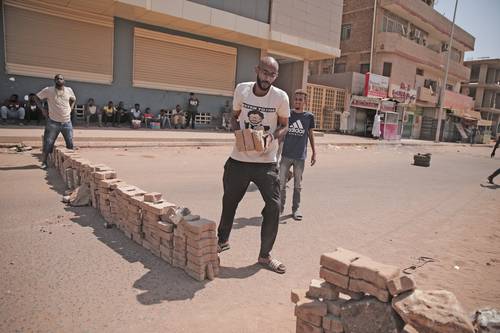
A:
(273, 265)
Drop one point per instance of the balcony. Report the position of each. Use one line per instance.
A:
(392, 42)
(427, 95)
(430, 20)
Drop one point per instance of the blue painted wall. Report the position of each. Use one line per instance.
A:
(121, 89)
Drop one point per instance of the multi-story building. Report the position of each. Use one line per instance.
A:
(154, 52)
(484, 87)
(406, 41)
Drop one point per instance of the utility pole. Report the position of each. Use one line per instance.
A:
(443, 88)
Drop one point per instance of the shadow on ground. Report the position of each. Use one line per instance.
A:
(490, 186)
(162, 282)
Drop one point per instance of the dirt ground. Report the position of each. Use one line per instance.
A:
(62, 271)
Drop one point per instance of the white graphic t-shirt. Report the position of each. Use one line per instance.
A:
(259, 113)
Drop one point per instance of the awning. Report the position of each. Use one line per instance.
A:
(467, 114)
(485, 123)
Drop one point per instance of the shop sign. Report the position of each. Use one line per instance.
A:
(403, 93)
(387, 106)
(365, 102)
(376, 85)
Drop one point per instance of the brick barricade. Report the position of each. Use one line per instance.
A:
(182, 240)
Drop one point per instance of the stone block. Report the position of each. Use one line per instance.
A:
(334, 277)
(339, 260)
(319, 288)
(366, 287)
(401, 284)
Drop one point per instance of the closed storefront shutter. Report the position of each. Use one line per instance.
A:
(163, 61)
(43, 40)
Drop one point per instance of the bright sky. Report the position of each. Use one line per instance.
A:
(480, 18)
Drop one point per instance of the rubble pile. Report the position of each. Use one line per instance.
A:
(165, 229)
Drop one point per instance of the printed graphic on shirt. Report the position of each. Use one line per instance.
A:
(296, 128)
(255, 118)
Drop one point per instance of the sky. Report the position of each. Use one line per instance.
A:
(480, 18)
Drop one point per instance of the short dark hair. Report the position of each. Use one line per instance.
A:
(191, 93)
(55, 76)
(256, 112)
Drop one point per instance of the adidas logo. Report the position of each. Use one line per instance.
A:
(296, 128)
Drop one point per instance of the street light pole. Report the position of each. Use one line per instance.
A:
(443, 88)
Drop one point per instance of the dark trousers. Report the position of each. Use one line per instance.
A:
(52, 130)
(190, 116)
(494, 174)
(237, 177)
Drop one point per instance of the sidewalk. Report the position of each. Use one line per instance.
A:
(125, 137)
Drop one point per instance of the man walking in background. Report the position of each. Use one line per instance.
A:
(192, 110)
(300, 129)
(61, 100)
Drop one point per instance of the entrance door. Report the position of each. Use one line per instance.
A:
(408, 125)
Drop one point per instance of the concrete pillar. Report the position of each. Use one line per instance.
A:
(305, 73)
(478, 102)
(483, 71)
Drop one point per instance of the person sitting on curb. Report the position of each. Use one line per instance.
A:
(13, 109)
(33, 112)
(108, 113)
(294, 153)
(90, 111)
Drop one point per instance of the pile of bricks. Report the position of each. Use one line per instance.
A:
(249, 140)
(165, 229)
(344, 275)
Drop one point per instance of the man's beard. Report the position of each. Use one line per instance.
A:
(59, 85)
(259, 83)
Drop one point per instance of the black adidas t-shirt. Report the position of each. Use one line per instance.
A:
(295, 145)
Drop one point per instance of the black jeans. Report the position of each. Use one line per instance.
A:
(237, 177)
(190, 116)
(494, 174)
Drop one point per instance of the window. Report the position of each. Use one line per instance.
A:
(345, 32)
(364, 68)
(327, 66)
(393, 23)
(431, 84)
(339, 68)
(420, 71)
(449, 87)
(387, 69)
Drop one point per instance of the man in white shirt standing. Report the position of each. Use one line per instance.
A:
(257, 105)
(61, 100)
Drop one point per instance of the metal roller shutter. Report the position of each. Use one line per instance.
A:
(163, 61)
(43, 40)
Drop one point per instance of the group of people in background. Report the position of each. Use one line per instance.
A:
(22, 112)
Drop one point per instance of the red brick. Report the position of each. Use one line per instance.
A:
(157, 208)
(248, 138)
(332, 323)
(152, 197)
(306, 316)
(401, 284)
(202, 243)
(333, 307)
(334, 277)
(210, 273)
(203, 251)
(258, 140)
(199, 226)
(199, 276)
(165, 226)
(203, 259)
(322, 289)
(339, 260)
(297, 294)
(312, 306)
(366, 287)
(203, 235)
(373, 272)
(240, 142)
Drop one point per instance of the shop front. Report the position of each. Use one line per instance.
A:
(363, 109)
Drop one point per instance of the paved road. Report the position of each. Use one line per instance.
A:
(61, 271)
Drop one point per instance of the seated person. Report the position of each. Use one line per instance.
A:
(90, 111)
(147, 117)
(227, 111)
(121, 114)
(164, 119)
(178, 117)
(33, 111)
(108, 113)
(135, 113)
(13, 109)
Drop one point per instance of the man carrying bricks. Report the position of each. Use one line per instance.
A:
(294, 152)
(257, 166)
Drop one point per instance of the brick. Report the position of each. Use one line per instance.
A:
(165, 226)
(258, 140)
(333, 307)
(199, 226)
(199, 276)
(105, 175)
(322, 289)
(311, 318)
(297, 294)
(203, 259)
(203, 235)
(165, 236)
(339, 260)
(333, 323)
(240, 142)
(152, 197)
(351, 294)
(334, 277)
(166, 257)
(210, 273)
(202, 251)
(202, 268)
(401, 284)
(202, 243)
(157, 208)
(366, 287)
(305, 327)
(371, 271)
(106, 183)
(312, 306)
(248, 138)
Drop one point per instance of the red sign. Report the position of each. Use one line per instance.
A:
(376, 85)
(365, 102)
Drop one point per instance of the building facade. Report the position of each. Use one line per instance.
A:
(484, 87)
(406, 41)
(155, 52)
